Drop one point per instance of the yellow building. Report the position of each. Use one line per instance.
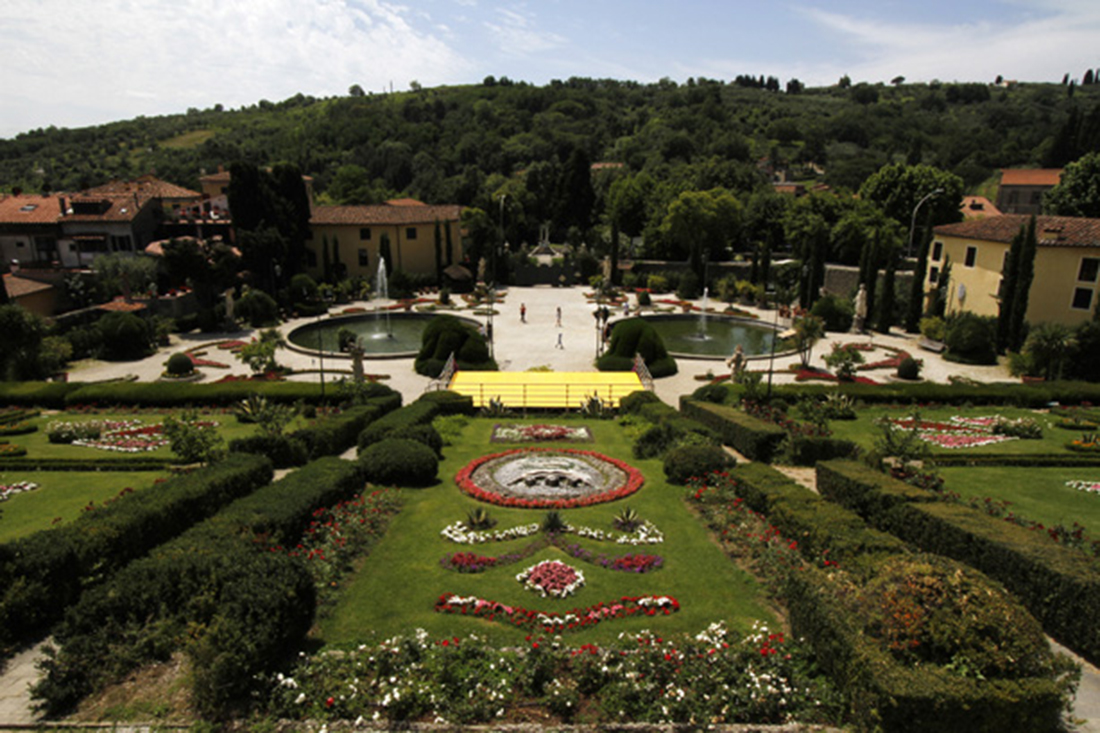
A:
(1067, 266)
(358, 231)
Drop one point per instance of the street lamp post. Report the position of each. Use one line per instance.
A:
(913, 221)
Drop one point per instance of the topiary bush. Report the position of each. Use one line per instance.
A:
(179, 365)
(125, 336)
(445, 335)
(836, 313)
(636, 336)
(283, 450)
(909, 368)
(686, 462)
(635, 401)
(399, 462)
(971, 339)
(258, 308)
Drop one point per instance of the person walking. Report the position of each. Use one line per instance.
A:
(559, 318)
(523, 312)
(559, 345)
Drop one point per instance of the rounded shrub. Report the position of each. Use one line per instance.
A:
(399, 462)
(644, 298)
(635, 401)
(909, 368)
(125, 336)
(716, 393)
(258, 308)
(636, 336)
(836, 313)
(425, 434)
(688, 461)
(971, 339)
(179, 365)
(450, 402)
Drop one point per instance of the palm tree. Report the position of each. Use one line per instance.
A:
(1049, 345)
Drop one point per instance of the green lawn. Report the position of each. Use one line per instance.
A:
(61, 494)
(397, 586)
(1039, 494)
(864, 431)
(39, 446)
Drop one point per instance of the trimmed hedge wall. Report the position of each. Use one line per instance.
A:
(85, 464)
(239, 607)
(888, 695)
(689, 461)
(808, 451)
(1005, 459)
(1060, 585)
(753, 438)
(338, 433)
(166, 394)
(399, 462)
(283, 450)
(45, 572)
(421, 412)
(37, 394)
(449, 402)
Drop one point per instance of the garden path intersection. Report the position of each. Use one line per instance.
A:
(520, 344)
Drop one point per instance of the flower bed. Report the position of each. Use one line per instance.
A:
(17, 428)
(10, 490)
(482, 485)
(540, 434)
(959, 432)
(11, 450)
(198, 361)
(1092, 487)
(806, 373)
(552, 578)
(646, 534)
(130, 436)
(578, 619)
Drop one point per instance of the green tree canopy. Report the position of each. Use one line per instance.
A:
(898, 188)
(703, 222)
(1079, 192)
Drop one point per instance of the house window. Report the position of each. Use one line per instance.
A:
(364, 234)
(937, 251)
(1090, 268)
(1082, 299)
(933, 275)
(121, 243)
(410, 233)
(364, 258)
(971, 256)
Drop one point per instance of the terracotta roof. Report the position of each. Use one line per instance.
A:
(1031, 176)
(29, 209)
(109, 207)
(19, 287)
(606, 164)
(978, 207)
(384, 214)
(118, 305)
(146, 186)
(1051, 231)
(405, 202)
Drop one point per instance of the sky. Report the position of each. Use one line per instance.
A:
(73, 63)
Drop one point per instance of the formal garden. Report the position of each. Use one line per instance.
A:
(595, 567)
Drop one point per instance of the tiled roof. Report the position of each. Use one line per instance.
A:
(19, 287)
(405, 202)
(118, 305)
(978, 207)
(145, 186)
(1051, 231)
(1031, 176)
(29, 209)
(114, 207)
(381, 214)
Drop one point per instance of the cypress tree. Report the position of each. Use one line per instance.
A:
(868, 271)
(766, 262)
(1024, 277)
(450, 246)
(438, 253)
(886, 303)
(614, 251)
(385, 254)
(337, 265)
(1008, 291)
(916, 290)
(326, 263)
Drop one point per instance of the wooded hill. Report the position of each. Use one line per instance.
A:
(463, 144)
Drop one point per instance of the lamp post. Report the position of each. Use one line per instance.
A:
(913, 221)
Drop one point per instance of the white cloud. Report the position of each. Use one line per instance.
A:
(516, 34)
(139, 59)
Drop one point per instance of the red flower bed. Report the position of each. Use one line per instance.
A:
(465, 482)
(200, 362)
(892, 363)
(578, 619)
(806, 373)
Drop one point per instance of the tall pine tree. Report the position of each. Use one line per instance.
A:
(886, 302)
(1007, 294)
(1024, 276)
(916, 292)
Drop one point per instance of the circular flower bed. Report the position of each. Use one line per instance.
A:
(11, 450)
(552, 578)
(10, 490)
(548, 478)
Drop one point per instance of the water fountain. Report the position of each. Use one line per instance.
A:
(382, 290)
(701, 334)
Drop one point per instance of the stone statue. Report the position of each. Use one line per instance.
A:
(861, 308)
(736, 362)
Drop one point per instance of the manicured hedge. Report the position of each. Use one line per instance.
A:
(635, 401)
(336, 434)
(1060, 585)
(817, 525)
(36, 394)
(755, 439)
(45, 572)
(804, 451)
(886, 694)
(421, 412)
(167, 394)
(85, 464)
(283, 450)
(1006, 459)
(450, 403)
(219, 590)
(399, 462)
(691, 461)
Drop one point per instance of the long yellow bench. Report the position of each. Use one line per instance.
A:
(564, 390)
